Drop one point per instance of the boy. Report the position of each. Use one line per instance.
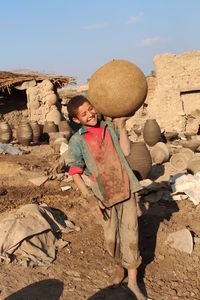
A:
(100, 151)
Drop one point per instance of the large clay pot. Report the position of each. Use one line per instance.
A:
(65, 128)
(140, 160)
(24, 133)
(36, 131)
(117, 89)
(49, 126)
(5, 132)
(151, 132)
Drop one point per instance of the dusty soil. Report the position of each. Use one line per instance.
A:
(82, 269)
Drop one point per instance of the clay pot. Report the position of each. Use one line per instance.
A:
(49, 126)
(5, 132)
(57, 143)
(117, 89)
(140, 160)
(188, 152)
(170, 135)
(160, 153)
(65, 128)
(53, 136)
(36, 131)
(24, 133)
(191, 144)
(179, 161)
(151, 132)
(54, 115)
(194, 164)
(51, 99)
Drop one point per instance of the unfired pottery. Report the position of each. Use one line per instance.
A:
(151, 132)
(193, 165)
(179, 161)
(49, 126)
(36, 131)
(65, 128)
(159, 153)
(24, 133)
(5, 132)
(118, 88)
(140, 160)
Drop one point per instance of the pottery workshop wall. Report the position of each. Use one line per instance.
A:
(174, 100)
(42, 103)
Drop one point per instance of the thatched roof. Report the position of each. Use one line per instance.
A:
(11, 79)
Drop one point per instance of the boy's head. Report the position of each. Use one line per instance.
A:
(82, 112)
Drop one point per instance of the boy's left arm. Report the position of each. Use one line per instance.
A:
(124, 140)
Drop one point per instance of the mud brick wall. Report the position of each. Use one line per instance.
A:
(176, 99)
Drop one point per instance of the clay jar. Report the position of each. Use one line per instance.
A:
(151, 132)
(65, 128)
(36, 131)
(49, 126)
(159, 153)
(140, 160)
(24, 133)
(5, 132)
(194, 164)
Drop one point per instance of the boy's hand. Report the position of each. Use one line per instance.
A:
(120, 122)
(97, 208)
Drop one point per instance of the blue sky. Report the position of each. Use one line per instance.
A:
(75, 38)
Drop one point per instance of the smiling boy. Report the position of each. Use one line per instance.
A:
(99, 150)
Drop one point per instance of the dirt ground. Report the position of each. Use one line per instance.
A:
(82, 269)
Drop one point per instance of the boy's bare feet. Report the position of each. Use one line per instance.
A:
(135, 289)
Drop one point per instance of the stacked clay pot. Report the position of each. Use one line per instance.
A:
(65, 128)
(140, 160)
(54, 115)
(49, 126)
(5, 132)
(36, 131)
(24, 133)
(117, 89)
(151, 132)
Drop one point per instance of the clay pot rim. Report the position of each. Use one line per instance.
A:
(181, 155)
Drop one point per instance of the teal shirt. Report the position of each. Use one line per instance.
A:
(80, 156)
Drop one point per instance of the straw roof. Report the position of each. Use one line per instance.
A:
(9, 79)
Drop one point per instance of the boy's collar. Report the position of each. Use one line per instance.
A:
(83, 130)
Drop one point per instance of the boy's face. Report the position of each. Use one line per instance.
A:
(86, 115)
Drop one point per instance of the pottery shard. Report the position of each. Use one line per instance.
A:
(181, 240)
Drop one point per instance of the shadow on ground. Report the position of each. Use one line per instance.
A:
(111, 293)
(50, 289)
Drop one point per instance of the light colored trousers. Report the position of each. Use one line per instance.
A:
(121, 233)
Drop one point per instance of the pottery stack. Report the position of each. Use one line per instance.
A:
(5, 132)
